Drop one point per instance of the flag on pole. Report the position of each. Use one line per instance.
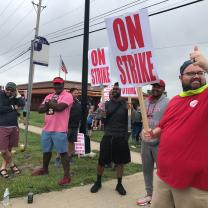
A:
(63, 66)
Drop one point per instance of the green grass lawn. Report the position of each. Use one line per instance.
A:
(83, 172)
(36, 119)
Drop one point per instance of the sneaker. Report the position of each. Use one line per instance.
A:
(144, 201)
(95, 188)
(64, 181)
(120, 189)
(39, 172)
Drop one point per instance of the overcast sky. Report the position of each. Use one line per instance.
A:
(174, 35)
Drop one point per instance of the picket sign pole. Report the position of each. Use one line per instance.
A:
(143, 109)
(129, 114)
(102, 95)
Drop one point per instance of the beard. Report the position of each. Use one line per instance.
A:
(190, 86)
(116, 95)
(156, 93)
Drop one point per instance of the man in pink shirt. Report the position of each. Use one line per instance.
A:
(56, 107)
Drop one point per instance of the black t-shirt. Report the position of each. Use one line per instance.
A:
(116, 124)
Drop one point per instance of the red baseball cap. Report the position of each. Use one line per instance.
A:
(161, 83)
(58, 80)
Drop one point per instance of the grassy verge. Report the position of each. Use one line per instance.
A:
(36, 119)
(83, 172)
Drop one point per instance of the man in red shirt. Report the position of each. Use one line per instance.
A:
(182, 172)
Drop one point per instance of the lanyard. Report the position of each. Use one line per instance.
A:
(150, 115)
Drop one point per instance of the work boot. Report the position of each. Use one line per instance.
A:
(95, 188)
(120, 189)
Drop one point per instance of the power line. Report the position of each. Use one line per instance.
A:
(153, 14)
(17, 8)
(15, 26)
(14, 47)
(100, 29)
(14, 65)
(106, 14)
(96, 17)
(18, 56)
(7, 6)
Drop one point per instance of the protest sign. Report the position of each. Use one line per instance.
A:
(131, 47)
(99, 66)
(80, 144)
(132, 52)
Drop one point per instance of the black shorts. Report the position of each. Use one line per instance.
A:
(114, 149)
(72, 135)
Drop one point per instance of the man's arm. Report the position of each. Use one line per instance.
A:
(43, 108)
(57, 106)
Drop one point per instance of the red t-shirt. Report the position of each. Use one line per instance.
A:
(183, 150)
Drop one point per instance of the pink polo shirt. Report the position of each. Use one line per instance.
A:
(58, 122)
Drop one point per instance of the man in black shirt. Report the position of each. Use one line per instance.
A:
(10, 102)
(114, 145)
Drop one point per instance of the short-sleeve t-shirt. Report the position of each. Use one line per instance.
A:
(58, 122)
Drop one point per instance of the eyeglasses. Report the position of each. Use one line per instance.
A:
(193, 74)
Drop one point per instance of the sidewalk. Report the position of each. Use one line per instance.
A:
(80, 197)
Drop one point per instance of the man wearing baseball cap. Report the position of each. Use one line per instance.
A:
(10, 102)
(182, 165)
(56, 107)
(155, 106)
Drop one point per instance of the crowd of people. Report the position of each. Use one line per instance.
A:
(175, 142)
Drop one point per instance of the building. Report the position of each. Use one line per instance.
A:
(41, 89)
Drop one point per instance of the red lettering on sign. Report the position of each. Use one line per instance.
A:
(142, 62)
(93, 78)
(122, 75)
(120, 34)
(136, 68)
(135, 31)
(100, 75)
(132, 68)
(94, 58)
(98, 57)
(150, 65)
(101, 56)
(124, 59)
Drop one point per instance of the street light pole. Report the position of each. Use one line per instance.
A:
(31, 73)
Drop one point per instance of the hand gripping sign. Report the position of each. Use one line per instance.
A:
(132, 52)
(99, 66)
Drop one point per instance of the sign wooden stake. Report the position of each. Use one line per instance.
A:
(143, 109)
(129, 114)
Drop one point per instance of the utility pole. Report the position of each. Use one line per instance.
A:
(31, 72)
(85, 67)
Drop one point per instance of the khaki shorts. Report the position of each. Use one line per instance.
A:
(164, 196)
(9, 137)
